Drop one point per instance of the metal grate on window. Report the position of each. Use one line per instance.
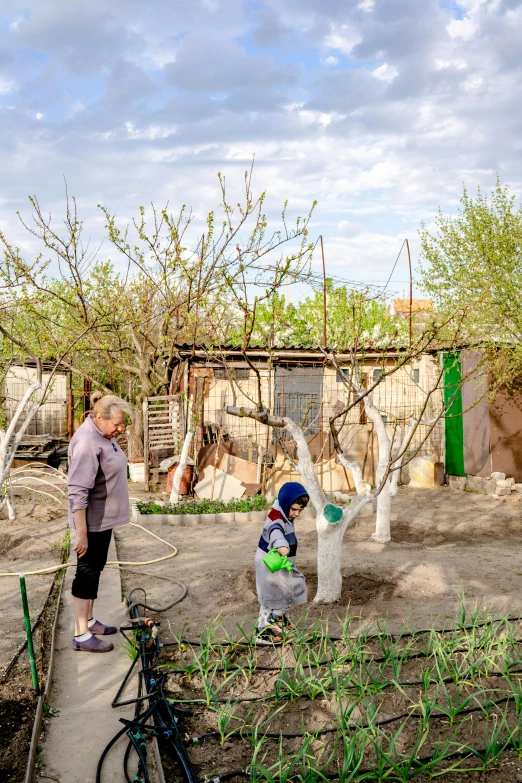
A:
(237, 373)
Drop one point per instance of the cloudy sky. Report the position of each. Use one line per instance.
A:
(379, 109)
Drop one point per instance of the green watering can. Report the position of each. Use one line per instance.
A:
(275, 562)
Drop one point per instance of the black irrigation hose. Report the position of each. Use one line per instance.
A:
(419, 762)
(384, 686)
(352, 726)
(113, 741)
(132, 605)
(370, 637)
(142, 767)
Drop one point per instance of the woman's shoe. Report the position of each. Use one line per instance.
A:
(93, 644)
(102, 630)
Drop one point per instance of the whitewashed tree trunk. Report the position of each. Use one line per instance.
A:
(10, 440)
(329, 536)
(182, 465)
(382, 525)
(357, 474)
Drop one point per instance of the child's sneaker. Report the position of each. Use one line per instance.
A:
(268, 636)
(283, 622)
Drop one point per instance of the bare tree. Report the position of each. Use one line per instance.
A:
(12, 432)
(167, 294)
(396, 448)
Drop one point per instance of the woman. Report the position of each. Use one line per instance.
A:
(98, 502)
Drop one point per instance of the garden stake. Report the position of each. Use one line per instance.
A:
(27, 621)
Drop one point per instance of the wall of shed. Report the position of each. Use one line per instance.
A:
(506, 434)
(476, 418)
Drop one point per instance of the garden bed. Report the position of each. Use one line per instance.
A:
(374, 706)
(25, 548)
(195, 512)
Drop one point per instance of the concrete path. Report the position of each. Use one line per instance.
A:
(83, 686)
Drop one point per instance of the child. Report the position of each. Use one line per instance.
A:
(279, 591)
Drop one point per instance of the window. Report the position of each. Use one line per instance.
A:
(416, 376)
(377, 376)
(237, 373)
(343, 371)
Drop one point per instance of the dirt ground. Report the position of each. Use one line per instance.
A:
(444, 542)
(29, 543)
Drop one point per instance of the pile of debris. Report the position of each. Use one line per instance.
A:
(496, 485)
(506, 487)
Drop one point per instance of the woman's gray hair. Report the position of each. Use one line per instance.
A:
(106, 405)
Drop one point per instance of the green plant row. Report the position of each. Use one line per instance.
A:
(241, 505)
(360, 741)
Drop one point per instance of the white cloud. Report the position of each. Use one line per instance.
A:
(342, 37)
(457, 63)
(462, 28)
(385, 72)
(381, 139)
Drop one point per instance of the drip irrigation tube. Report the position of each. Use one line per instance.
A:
(353, 726)
(482, 754)
(285, 696)
(369, 638)
(381, 659)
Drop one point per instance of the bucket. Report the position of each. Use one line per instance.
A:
(137, 471)
(186, 479)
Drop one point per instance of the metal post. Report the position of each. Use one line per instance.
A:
(411, 289)
(27, 621)
(324, 294)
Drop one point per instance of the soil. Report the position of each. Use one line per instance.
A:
(445, 542)
(31, 542)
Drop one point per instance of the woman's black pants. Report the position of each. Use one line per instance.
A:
(89, 567)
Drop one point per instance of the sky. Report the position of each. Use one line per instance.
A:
(381, 110)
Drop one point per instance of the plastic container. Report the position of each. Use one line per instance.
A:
(137, 471)
(186, 479)
(275, 562)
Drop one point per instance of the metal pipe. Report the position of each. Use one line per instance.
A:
(324, 294)
(411, 288)
(28, 633)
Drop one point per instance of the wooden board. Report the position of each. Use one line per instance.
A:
(241, 469)
(225, 487)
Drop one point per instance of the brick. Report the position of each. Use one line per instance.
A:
(491, 486)
(503, 491)
(498, 476)
(517, 488)
(505, 483)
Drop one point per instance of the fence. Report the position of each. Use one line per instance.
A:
(51, 417)
(310, 394)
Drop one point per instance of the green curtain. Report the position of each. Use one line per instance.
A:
(454, 422)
